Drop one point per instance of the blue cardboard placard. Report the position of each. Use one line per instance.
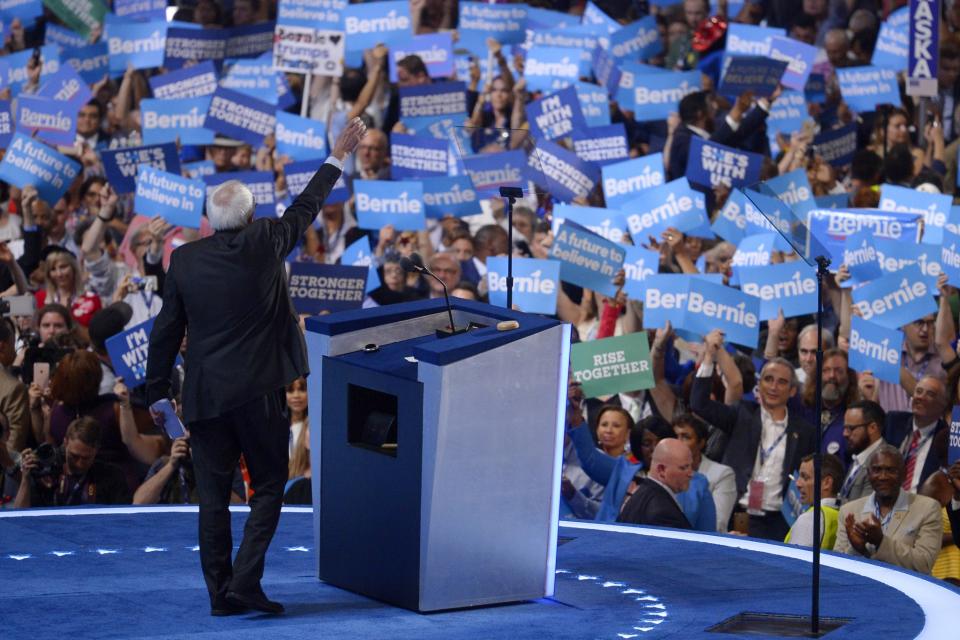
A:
(896, 299)
(606, 223)
(833, 201)
(179, 200)
(799, 57)
(186, 44)
(367, 25)
(546, 19)
(66, 85)
(120, 165)
(381, 202)
(581, 38)
(249, 40)
(664, 299)
(656, 95)
(934, 207)
(794, 190)
(300, 138)
(359, 254)
(861, 257)
(638, 266)
(950, 256)
(16, 66)
(27, 10)
(953, 447)
(535, 283)
(893, 256)
(190, 82)
(875, 348)
(750, 40)
(714, 306)
(710, 164)
(260, 183)
(168, 120)
(140, 9)
(326, 287)
(255, 77)
(837, 146)
(623, 181)
(638, 40)
(141, 44)
(480, 20)
(55, 34)
(91, 62)
(561, 172)
(316, 14)
(435, 49)
(864, 88)
(490, 171)
(602, 146)
(606, 70)
(450, 196)
(49, 120)
(587, 259)
(436, 99)
(791, 286)
(832, 226)
(6, 124)
(594, 104)
(557, 115)
(299, 174)
(548, 69)
(759, 74)
(788, 112)
(673, 204)
(417, 156)
(128, 353)
(754, 251)
(816, 89)
(239, 116)
(30, 162)
(198, 170)
(892, 47)
(923, 55)
(594, 15)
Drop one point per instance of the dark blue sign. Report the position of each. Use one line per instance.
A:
(326, 287)
(120, 165)
(239, 116)
(710, 164)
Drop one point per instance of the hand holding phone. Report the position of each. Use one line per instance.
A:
(41, 374)
(164, 410)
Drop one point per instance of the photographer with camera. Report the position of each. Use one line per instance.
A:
(70, 475)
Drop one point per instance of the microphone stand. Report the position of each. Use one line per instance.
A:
(511, 194)
(822, 264)
(415, 263)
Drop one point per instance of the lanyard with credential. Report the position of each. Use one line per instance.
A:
(765, 453)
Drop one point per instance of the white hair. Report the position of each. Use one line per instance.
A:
(230, 206)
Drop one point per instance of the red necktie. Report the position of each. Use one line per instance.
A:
(911, 460)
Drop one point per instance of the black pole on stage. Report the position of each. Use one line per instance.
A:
(822, 264)
(511, 194)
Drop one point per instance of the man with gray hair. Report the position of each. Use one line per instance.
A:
(230, 292)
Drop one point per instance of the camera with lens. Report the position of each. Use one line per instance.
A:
(50, 461)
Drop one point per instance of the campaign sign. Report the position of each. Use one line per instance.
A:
(305, 49)
(299, 174)
(892, 47)
(934, 207)
(250, 40)
(655, 96)
(140, 9)
(27, 10)
(587, 259)
(170, 120)
(197, 170)
(950, 256)
(308, 13)
(861, 257)
(382, 202)
(794, 190)
(128, 353)
(639, 265)
(673, 204)
(91, 62)
(612, 365)
(437, 99)
(66, 85)
(141, 44)
(602, 145)
(710, 164)
(435, 49)
(606, 223)
(754, 251)
(791, 286)
(896, 299)
(490, 171)
(865, 88)
(479, 20)
(186, 44)
(924, 53)
(606, 70)
(837, 146)
(594, 104)
(191, 82)
(953, 450)
(367, 25)
(565, 175)
(178, 200)
(535, 283)
(300, 138)
(550, 68)
(875, 348)
(623, 181)
(239, 116)
(326, 287)
(557, 115)
(832, 226)
(256, 78)
(48, 120)
(30, 162)
(715, 306)
(16, 66)
(893, 256)
(417, 156)
(788, 112)
(6, 124)
(833, 201)
(638, 40)
(83, 16)
(594, 16)
(750, 40)
(120, 165)
(359, 254)
(55, 34)
(579, 38)
(731, 223)
(758, 74)
(799, 57)
(450, 196)
(260, 183)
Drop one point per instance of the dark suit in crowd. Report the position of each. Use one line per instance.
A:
(653, 505)
(898, 431)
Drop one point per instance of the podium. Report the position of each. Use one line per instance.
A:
(436, 461)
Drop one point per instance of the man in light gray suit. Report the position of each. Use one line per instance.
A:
(863, 431)
(891, 525)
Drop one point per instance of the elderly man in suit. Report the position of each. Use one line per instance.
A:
(766, 444)
(863, 430)
(913, 431)
(230, 292)
(891, 525)
(654, 500)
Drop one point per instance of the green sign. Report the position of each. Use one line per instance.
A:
(612, 365)
(80, 15)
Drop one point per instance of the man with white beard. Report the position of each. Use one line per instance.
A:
(839, 390)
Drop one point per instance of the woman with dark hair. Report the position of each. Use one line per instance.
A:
(712, 478)
(499, 108)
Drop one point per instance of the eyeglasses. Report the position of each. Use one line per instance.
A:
(850, 428)
(923, 323)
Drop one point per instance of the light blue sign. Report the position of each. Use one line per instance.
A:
(255, 78)
(546, 19)
(168, 120)
(893, 256)
(832, 226)
(788, 112)
(750, 40)
(326, 287)
(49, 120)
(950, 256)
(638, 40)
(535, 283)
(450, 196)
(754, 251)
(300, 138)
(664, 299)
(875, 348)
(587, 259)
(594, 15)
(934, 207)
(639, 266)
(674, 204)
(436, 99)
(655, 96)
(758, 74)
(594, 104)
(128, 353)
(623, 181)
(120, 165)
(791, 286)
(381, 202)
(16, 66)
(714, 306)
(794, 190)
(606, 71)
(30, 162)
(140, 9)
(833, 201)
(892, 47)
(91, 62)
(141, 44)
(315, 14)
(581, 38)
(260, 183)
(557, 115)
(239, 116)
(710, 164)
(359, 254)
(66, 85)
(799, 57)
(27, 10)
(896, 299)
(199, 170)
(606, 223)
(435, 49)
(490, 171)
(861, 257)
(561, 172)
(179, 200)
(367, 25)
(417, 156)
(55, 34)
(190, 82)
(865, 88)
(479, 20)
(602, 146)
(548, 69)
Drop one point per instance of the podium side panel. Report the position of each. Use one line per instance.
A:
(318, 346)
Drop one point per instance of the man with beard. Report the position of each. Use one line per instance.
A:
(914, 432)
(863, 431)
(837, 394)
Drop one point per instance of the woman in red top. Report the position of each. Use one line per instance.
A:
(64, 285)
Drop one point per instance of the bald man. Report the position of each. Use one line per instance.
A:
(654, 501)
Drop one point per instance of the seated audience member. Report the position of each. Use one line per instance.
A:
(720, 478)
(801, 533)
(298, 489)
(863, 430)
(654, 501)
(71, 474)
(891, 525)
(913, 432)
(939, 487)
(447, 268)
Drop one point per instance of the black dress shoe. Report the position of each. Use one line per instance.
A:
(224, 608)
(256, 601)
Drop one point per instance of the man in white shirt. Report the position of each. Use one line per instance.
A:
(831, 472)
(863, 431)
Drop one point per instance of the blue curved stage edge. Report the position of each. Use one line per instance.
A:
(134, 572)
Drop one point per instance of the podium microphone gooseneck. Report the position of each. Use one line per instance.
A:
(414, 264)
(511, 194)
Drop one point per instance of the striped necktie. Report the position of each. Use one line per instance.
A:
(911, 460)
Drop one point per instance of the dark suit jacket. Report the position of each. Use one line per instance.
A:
(652, 504)
(899, 427)
(743, 424)
(954, 524)
(230, 290)
(722, 134)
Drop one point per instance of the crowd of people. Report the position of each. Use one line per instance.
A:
(725, 441)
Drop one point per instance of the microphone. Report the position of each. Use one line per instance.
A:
(414, 264)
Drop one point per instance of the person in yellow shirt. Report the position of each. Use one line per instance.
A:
(831, 477)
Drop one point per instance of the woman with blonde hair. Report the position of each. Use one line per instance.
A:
(63, 284)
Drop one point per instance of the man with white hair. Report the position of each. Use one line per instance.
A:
(230, 291)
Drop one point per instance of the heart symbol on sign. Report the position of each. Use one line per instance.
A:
(335, 39)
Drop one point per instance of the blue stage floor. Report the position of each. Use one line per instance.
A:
(124, 575)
